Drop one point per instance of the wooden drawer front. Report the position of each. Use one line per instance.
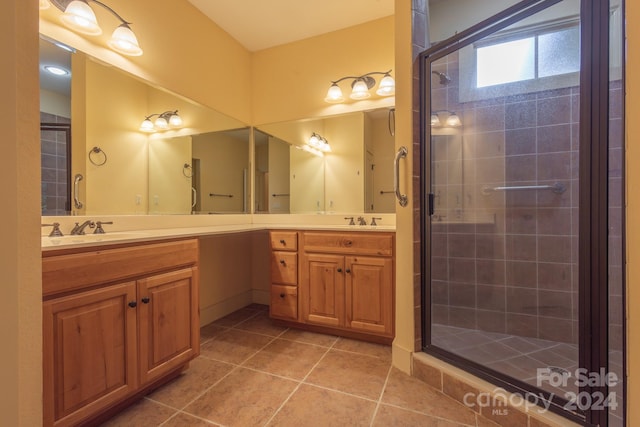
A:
(284, 268)
(284, 240)
(62, 273)
(284, 302)
(349, 243)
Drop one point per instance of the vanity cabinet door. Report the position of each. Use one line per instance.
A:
(89, 352)
(322, 289)
(369, 294)
(168, 322)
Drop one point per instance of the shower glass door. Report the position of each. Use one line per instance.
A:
(503, 153)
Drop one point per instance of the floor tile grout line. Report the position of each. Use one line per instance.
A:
(375, 411)
(277, 411)
(360, 354)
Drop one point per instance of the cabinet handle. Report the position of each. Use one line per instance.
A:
(348, 270)
(146, 300)
(132, 304)
(339, 270)
(282, 262)
(282, 295)
(283, 242)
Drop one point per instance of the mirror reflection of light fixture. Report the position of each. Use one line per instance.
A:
(44, 4)
(311, 150)
(319, 142)
(360, 87)
(452, 120)
(444, 79)
(78, 16)
(163, 121)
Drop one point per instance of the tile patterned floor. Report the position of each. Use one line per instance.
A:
(253, 373)
(517, 356)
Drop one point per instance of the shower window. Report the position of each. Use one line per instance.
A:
(551, 53)
(510, 225)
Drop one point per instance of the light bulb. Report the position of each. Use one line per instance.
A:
(124, 41)
(161, 123)
(387, 86)
(80, 17)
(360, 90)
(313, 141)
(435, 120)
(175, 121)
(453, 120)
(147, 126)
(334, 95)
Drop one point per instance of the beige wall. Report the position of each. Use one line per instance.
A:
(405, 314)
(290, 81)
(21, 290)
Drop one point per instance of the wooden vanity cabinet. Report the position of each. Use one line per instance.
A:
(284, 275)
(347, 281)
(344, 283)
(116, 321)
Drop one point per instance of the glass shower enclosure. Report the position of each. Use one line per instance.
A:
(508, 289)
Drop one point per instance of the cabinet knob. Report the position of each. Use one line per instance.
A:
(132, 304)
(339, 270)
(145, 300)
(283, 242)
(282, 262)
(282, 295)
(348, 270)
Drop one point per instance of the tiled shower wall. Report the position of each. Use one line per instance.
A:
(507, 261)
(54, 167)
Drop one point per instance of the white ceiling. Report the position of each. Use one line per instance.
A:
(260, 24)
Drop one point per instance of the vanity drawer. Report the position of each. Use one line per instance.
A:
(349, 243)
(284, 240)
(284, 268)
(284, 302)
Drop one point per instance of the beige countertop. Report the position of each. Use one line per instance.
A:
(132, 235)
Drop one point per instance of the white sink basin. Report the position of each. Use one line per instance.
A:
(92, 238)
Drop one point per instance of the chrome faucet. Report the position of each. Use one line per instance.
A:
(361, 221)
(79, 228)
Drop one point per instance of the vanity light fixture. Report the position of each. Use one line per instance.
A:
(360, 86)
(163, 121)
(79, 17)
(452, 120)
(319, 143)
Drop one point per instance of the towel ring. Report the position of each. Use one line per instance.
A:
(187, 170)
(97, 150)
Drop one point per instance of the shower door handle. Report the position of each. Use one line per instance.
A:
(76, 191)
(402, 198)
(194, 197)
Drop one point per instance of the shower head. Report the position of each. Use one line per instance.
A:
(444, 79)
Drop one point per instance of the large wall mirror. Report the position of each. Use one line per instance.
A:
(356, 175)
(96, 160)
